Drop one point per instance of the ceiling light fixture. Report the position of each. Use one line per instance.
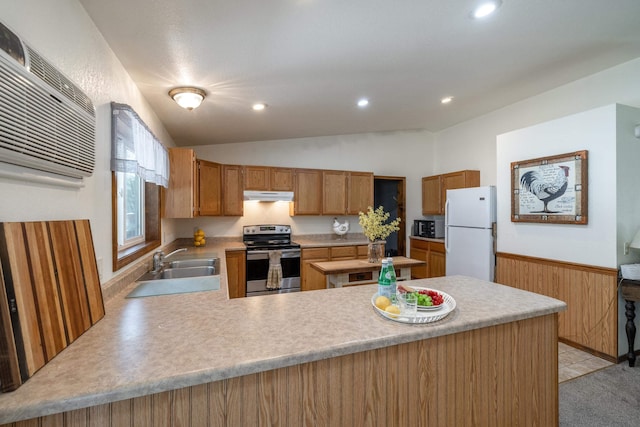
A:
(446, 99)
(363, 102)
(187, 97)
(485, 9)
(259, 106)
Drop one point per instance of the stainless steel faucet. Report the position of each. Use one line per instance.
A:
(159, 257)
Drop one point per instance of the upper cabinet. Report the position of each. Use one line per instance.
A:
(257, 178)
(209, 188)
(265, 178)
(334, 191)
(202, 188)
(180, 197)
(194, 186)
(359, 192)
(434, 189)
(281, 179)
(232, 189)
(307, 193)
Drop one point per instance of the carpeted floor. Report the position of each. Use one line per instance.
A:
(605, 398)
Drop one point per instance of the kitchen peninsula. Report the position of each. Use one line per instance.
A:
(309, 358)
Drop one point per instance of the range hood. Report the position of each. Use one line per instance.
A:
(269, 196)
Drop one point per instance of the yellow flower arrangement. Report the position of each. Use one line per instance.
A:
(373, 224)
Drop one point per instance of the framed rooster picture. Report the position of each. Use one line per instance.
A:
(550, 189)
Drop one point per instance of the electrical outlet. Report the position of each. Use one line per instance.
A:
(99, 262)
(626, 248)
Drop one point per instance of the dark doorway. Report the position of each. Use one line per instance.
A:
(389, 192)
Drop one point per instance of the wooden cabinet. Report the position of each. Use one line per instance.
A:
(359, 192)
(180, 197)
(311, 279)
(434, 189)
(265, 178)
(437, 262)
(232, 189)
(236, 273)
(257, 178)
(209, 195)
(307, 192)
(281, 179)
(203, 188)
(334, 191)
(194, 186)
(431, 195)
(433, 254)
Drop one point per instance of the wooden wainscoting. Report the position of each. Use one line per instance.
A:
(503, 375)
(591, 294)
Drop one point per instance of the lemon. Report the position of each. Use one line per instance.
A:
(392, 309)
(382, 302)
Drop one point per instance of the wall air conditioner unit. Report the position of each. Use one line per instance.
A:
(46, 122)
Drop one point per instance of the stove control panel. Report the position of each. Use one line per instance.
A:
(266, 229)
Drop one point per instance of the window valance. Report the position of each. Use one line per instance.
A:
(134, 148)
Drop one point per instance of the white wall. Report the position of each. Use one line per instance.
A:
(591, 244)
(61, 31)
(628, 180)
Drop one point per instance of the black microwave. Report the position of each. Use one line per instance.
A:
(431, 228)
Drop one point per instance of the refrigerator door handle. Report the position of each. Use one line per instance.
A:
(446, 226)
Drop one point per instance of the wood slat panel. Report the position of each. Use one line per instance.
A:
(9, 367)
(15, 260)
(89, 270)
(45, 288)
(591, 318)
(503, 375)
(200, 406)
(161, 409)
(70, 280)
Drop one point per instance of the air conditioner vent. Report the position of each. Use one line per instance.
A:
(45, 71)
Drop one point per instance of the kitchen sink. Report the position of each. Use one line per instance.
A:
(182, 272)
(183, 276)
(195, 262)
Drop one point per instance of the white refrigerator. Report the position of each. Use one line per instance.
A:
(470, 215)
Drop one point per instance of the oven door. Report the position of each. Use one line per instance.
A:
(258, 270)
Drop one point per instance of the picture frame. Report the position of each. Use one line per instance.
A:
(550, 189)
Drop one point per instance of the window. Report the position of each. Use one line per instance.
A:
(139, 165)
(130, 200)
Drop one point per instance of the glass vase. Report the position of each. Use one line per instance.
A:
(375, 251)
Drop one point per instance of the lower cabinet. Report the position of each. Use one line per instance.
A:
(311, 279)
(433, 254)
(236, 276)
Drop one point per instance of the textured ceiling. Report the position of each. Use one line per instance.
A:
(311, 60)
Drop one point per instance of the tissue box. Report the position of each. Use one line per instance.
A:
(630, 271)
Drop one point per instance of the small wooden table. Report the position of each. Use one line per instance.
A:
(630, 290)
(361, 272)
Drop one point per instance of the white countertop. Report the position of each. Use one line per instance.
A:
(153, 344)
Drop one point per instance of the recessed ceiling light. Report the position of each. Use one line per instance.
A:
(363, 102)
(259, 106)
(446, 99)
(485, 9)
